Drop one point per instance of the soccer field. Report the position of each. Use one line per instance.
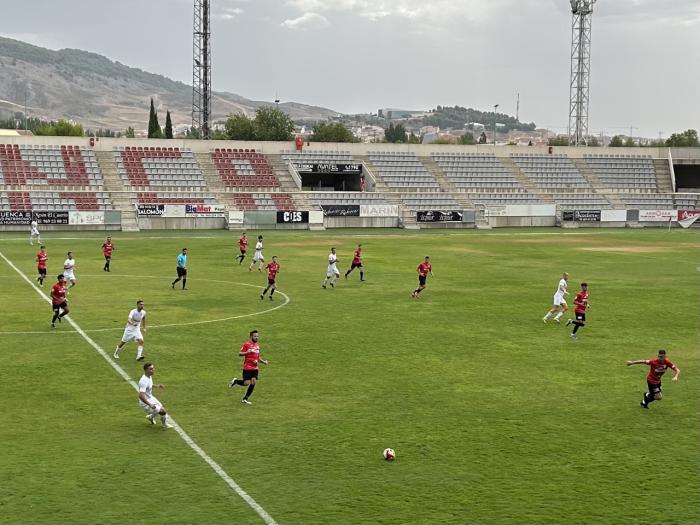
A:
(496, 418)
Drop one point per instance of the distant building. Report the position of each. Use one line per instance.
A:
(397, 114)
(15, 133)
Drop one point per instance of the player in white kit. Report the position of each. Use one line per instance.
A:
(258, 257)
(34, 233)
(559, 300)
(332, 272)
(69, 269)
(148, 401)
(134, 323)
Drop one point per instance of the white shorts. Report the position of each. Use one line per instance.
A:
(131, 333)
(149, 409)
(332, 270)
(258, 256)
(69, 275)
(559, 300)
(34, 233)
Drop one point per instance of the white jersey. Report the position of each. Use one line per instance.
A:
(332, 259)
(35, 228)
(258, 251)
(146, 387)
(136, 317)
(559, 294)
(68, 266)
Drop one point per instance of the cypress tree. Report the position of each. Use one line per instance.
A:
(154, 131)
(168, 126)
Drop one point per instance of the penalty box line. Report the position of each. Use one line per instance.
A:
(185, 437)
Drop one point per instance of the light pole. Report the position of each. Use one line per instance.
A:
(495, 107)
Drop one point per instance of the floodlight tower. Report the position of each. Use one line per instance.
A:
(201, 69)
(581, 15)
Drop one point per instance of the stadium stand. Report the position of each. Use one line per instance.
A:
(559, 178)
(685, 201)
(624, 172)
(180, 197)
(403, 171)
(483, 178)
(159, 168)
(347, 197)
(243, 168)
(263, 201)
(49, 166)
(431, 201)
(55, 201)
(311, 156)
(646, 201)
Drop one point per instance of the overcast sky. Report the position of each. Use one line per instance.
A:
(360, 55)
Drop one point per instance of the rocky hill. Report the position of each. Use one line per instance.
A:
(99, 93)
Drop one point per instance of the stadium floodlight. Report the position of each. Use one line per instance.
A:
(201, 69)
(581, 15)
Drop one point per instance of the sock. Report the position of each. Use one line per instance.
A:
(151, 417)
(116, 350)
(249, 392)
(576, 327)
(272, 292)
(362, 275)
(647, 398)
(265, 291)
(238, 382)
(139, 352)
(164, 419)
(325, 281)
(334, 279)
(55, 316)
(347, 273)
(175, 281)
(184, 282)
(558, 316)
(63, 314)
(548, 315)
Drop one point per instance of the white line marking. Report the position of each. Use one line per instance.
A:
(207, 321)
(185, 437)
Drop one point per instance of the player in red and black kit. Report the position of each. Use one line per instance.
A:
(107, 248)
(357, 263)
(41, 259)
(251, 357)
(581, 302)
(424, 269)
(58, 300)
(272, 270)
(657, 368)
(243, 247)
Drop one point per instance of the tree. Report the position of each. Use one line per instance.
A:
(129, 133)
(168, 126)
(630, 143)
(193, 133)
(616, 142)
(154, 131)
(559, 141)
(239, 127)
(272, 124)
(414, 139)
(482, 138)
(332, 133)
(62, 128)
(467, 139)
(593, 141)
(395, 133)
(688, 138)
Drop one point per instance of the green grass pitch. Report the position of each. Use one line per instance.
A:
(495, 417)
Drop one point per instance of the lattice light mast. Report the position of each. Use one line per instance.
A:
(201, 68)
(581, 15)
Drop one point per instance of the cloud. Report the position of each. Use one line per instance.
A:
(418, 10)
(229, 13)
(306, 21)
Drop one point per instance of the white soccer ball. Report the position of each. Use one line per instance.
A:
(389, 454)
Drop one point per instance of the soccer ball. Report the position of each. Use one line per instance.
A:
(389, 454)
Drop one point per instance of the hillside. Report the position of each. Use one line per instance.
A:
(99, 93)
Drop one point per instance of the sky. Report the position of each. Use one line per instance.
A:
(355, 56)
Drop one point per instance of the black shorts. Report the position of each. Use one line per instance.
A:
(181, 272)
(42, 271)
(243, 250)
(270, 281)
(421, 280)
(654, 389)
(356, 265)
(249, 374)
(108, 257)
(62, 306)
(581, 316)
